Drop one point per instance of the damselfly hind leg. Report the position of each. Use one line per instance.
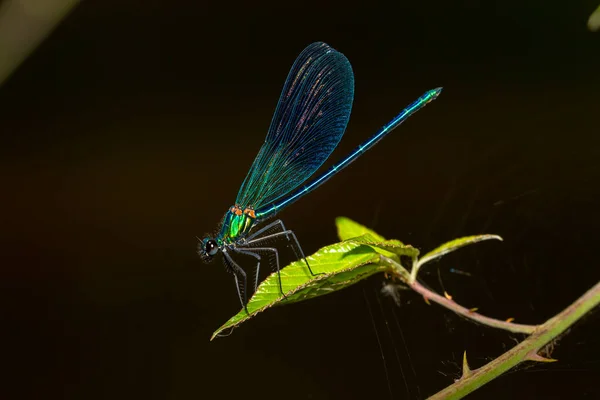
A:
(236, 270)
(256, 238)
(253, 252)
(257, 269)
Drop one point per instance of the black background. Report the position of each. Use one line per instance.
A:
(128, 132)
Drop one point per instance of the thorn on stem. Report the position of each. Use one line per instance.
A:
(466, 371)
(534, 356)
(474, 309)
(447, 295)
(426, 300)
(509, 320)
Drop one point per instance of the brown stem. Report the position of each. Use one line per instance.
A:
(453, 306)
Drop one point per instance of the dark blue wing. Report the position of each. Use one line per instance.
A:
(310, 119)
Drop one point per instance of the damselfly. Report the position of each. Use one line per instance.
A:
(309, 121)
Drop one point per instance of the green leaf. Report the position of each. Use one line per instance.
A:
(388, 248)
(348, 229)
(362, 253)
(392, 249)
(354, 232)
(447, 248)
(336, 267)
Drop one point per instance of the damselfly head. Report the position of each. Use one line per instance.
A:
(208, 248)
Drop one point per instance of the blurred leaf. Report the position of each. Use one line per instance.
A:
(594, 21)
(24, 24)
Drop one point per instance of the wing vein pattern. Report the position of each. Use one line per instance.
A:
(310, 119)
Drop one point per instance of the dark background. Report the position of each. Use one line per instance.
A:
(128, 132)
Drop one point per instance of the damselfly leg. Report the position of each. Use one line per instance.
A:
(255, 238)
(236, 270)
(254, 254)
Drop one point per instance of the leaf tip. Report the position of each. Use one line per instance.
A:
(341, 219)
(215, 335)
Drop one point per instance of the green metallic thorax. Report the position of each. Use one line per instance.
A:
(234, 227)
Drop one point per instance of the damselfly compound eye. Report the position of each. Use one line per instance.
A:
(211, 247)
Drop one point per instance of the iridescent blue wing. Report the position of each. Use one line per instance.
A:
(310, 119)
